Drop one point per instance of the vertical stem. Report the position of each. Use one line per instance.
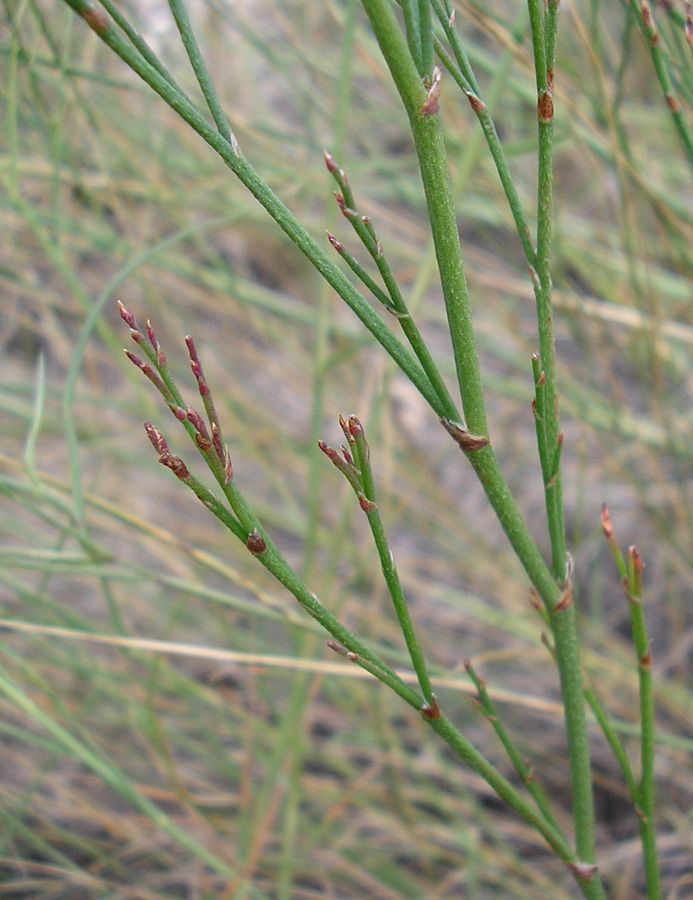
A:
(428, 140)
(543, 284)
(647, 725)
(563, 616)
(187, 34)
(426, 32)
(387, 561)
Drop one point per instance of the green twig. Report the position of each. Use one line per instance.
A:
(630, 570)
(187, 34)
(393, 301)
(488, 708)
(356, 438)
(102, 26)
(643, 15)
(463, 75)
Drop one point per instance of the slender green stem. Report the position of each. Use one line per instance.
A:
(244, 523)
(187, 34)
(563, 618)
(643, 14)
(543, 285)
(586, 879)
(138, 42)
(428, 139)
(630, 571)
(387, 562)
(426, 32)
(647, 724)
(551, 31)
(393, 301)
(463, 74)
(412, 27)
(235, 160)
(614, 741)
(488, 708)
(430, 149)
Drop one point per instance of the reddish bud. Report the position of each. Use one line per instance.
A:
(607, 525)
(329, 452)
(134, 359)
(366, 505)
(127, 316)
(431, 710)
(636, 560)
(476, 103)
(583, 871)
(355, 427)
(337, 647)
(648, 20)
(332, 166)
(176, 465)
(466, 441)
(95, 18)
(178, 411)
(147, 370)
(347, 456)
(157, 439)
(431, 105)
(196, 420)
(545, 107)
(338, 245)
(255, 542)
(219, 448)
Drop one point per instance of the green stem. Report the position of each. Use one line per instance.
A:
(646, 792)
(139, 43)
(526, 774)
(235, 160)
(428, 139)
(643, 15)
(387, 561)
(187, 34)
(426, 32)
(412, 26)
(587, 881)
(463, 74)
(543, 287)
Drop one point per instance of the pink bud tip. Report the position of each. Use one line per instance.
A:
(355, 426)
(126, 315)
(607, 526)
(158, 441)
(134, 359)
(636, 559)
(192, 349)
(330, 162)
(338, 245)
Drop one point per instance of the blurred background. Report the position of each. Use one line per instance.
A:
(258, 747)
